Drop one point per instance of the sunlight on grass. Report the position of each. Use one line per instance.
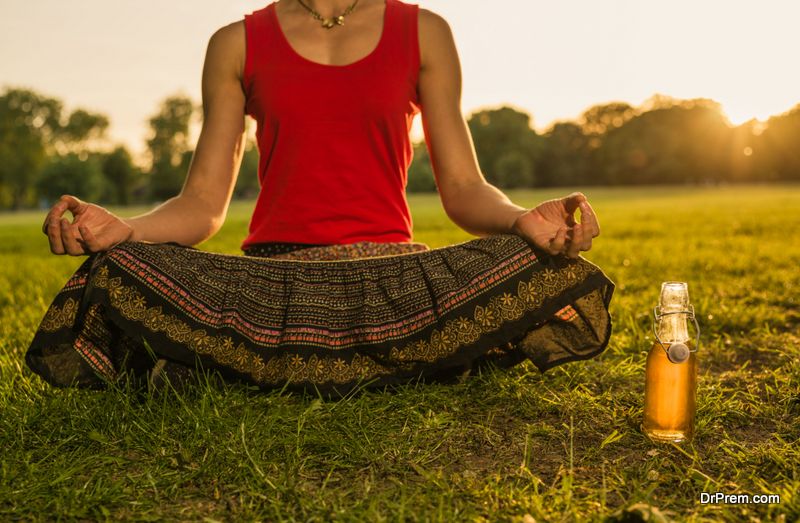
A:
(505, 445)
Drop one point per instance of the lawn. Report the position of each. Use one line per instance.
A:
(513, 445)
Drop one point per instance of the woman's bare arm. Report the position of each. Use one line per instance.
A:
(199, 211)
(468, 199)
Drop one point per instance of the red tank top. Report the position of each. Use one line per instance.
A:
(334, 140)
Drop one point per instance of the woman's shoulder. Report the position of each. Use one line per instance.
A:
(431, 21)
(226, 49)
(229, 39)
(230, 33)
(434, 33)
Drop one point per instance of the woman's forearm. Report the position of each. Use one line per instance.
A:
(481, 209)
(180, 219)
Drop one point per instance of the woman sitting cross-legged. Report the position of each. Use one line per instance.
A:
(331, 292)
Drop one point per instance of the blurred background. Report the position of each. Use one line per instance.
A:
(101, 99)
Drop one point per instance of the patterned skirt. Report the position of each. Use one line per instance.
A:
(326, 318)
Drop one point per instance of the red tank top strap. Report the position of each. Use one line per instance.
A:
(406, 31)
(257, 45)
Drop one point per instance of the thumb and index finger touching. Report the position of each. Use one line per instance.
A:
(578, 200)
(65, 203)
(573, 201)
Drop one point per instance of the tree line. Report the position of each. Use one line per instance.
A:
(46, 151)
(664, 141)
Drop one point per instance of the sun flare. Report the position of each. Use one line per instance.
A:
(740, 112)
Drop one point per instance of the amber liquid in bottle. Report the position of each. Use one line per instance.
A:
(669, 396)
(670, 388)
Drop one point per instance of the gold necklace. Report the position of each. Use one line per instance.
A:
(327, 23)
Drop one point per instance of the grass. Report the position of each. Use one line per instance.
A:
(511, 445)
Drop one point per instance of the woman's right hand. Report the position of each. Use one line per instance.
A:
(93, 228)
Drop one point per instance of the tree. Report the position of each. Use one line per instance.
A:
(27, 120)
(420, 172)
(83, 130)
(72, 173)
(743, 163)
(505, 132)
(247, 182)
(32, 128)
(169, 146)
(565, 157)
(599, 119)
(121, 175)
(513, 169)
(776, 148)
(684, 143)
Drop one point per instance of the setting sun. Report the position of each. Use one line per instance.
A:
(739, 112)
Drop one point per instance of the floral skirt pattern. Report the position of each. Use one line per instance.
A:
(328, 318)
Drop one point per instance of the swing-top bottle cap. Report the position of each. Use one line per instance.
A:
(674, 307)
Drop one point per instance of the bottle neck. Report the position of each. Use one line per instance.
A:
(673, 325)
(673, 328)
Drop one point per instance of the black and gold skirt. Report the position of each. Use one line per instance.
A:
(328, 318)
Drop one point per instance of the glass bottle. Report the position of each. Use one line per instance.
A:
(671, 371)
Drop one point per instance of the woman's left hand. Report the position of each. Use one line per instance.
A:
(551, 225)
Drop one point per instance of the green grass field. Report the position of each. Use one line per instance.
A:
(513, 445)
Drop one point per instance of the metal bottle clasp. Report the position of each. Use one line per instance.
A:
(676, 352)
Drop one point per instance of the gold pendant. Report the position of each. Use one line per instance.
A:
(327, 23)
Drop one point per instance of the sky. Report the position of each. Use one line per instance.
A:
(550, 59)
